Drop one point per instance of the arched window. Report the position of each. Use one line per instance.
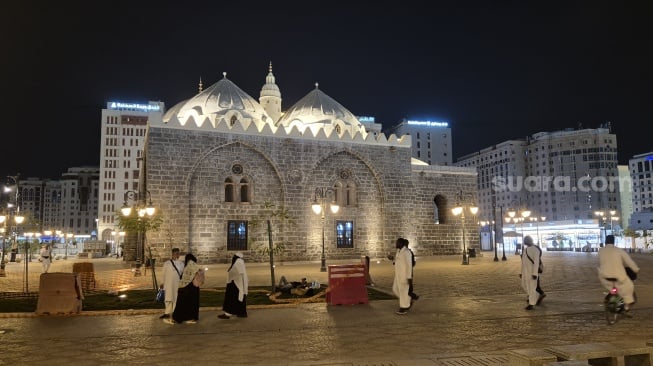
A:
(228, 190)
(338, 194)
(350, 194)
(439, 209)
(244, 190)
(233, 120)
(338, 129)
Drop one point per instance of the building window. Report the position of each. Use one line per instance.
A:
(228, 190)
(344, 234)
(236, 235)
(345, 193)
(244, 190)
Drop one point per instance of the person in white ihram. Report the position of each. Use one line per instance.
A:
(172, 271)
(46, 257)
(612, 263)
(530, 262)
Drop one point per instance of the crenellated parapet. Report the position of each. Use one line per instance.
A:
(248, 127)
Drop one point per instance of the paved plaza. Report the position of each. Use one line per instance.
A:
(466, 315)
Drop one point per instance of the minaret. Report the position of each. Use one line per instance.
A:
(271, 97)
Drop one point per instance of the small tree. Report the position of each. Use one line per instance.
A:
(133, 223)
(269, 214)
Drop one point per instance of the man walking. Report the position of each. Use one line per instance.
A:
(403, 276)
(530, 262)
(172, 271)
(46, 257)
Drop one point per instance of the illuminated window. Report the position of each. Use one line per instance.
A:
(344, 234)
(236, 235)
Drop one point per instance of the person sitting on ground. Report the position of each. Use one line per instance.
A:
(295, 288)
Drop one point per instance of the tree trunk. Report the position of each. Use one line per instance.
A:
(271, 250)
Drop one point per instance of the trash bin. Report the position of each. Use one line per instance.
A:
(471, 252)
(347, 285)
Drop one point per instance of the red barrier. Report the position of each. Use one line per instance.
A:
(347, 285)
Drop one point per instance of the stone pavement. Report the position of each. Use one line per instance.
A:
(466, 315)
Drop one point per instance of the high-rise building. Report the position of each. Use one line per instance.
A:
(122, 142)
(79, 201)
(564, 175)
(431, 140)
(641, 169)
(68, 205)
(625, 196)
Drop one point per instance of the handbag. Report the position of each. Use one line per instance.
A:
(631, 274)
(198, 280)
(160, 295)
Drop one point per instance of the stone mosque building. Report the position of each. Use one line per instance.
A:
(219, 164)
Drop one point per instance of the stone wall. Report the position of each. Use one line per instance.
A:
(186, 171)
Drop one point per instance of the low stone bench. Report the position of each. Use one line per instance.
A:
(606, 354)
(530, 357)
(567, 363)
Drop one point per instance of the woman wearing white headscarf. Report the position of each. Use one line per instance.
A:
(235, 298)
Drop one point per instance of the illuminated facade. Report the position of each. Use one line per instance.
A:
(641, 171)
(431, 140)
(564, 176)
(217, 160)
(122, 140)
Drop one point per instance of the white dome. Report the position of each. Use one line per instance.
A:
(318, 109)
(173, 111)
(222, 98)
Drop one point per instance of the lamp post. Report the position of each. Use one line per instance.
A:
(144, 210)
(519, 215)
(113, 242)
(27, 258)
(461, 205)
(319, 208)
(121, 234)
(13, 211)
(601, 221)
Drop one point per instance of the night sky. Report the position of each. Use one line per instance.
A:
(495, 70)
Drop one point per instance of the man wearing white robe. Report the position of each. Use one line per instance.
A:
(172, 270)
(403, 276)
(530, 262)
(612, 263)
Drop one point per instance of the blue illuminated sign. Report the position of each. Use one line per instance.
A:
(428, 123)
(650, 157)
(135, 106)
(366, 119)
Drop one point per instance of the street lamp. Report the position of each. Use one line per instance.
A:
(27, 258)
(460, 210)
(144, 210)
(4, 219)
(113, 241)
(13, 209)
(319, 208)
(537, 226)
(121, 234)
(519, 215)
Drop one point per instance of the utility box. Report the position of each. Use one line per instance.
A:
(59, 293)
(347, 285)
